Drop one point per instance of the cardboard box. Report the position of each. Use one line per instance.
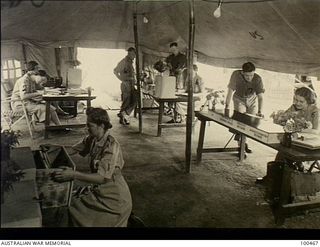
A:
(165, 86)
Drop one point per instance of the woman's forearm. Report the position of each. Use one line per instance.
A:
(90, 177)
(228, 98)
(260, 103)
(30, 95)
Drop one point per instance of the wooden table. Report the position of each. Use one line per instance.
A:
(293, 153)
(284, 208)
(146, 96)
(67, 97)
(161, 102)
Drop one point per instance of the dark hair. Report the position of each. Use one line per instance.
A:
(174, 44)
(99, 116)
(248, 67)
(131, 49)
(306, 93)
(195, 67)
(31, 65)
(43, 73)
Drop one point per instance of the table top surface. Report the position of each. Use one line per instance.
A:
(20, 208)
(68, 96)
(177, 98)
(23, 157)
(265, 125)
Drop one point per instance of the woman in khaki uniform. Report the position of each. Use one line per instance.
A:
(107, 202)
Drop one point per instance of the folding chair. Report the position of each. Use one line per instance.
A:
(11, 118)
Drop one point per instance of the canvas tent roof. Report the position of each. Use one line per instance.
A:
(281, 35)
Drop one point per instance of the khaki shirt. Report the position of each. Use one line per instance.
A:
(24, 85)
(243, 88)
(310, 114)
(125, 69)
(105, 155)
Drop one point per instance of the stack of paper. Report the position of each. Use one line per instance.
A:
(52, 91)
(77, 91)
(308, 140)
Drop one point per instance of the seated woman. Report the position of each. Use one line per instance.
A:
(25, 89)
(108, 201)
(304, 106)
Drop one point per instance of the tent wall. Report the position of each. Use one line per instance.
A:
(12, 50)
(43, 53)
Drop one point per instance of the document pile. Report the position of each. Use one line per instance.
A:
(52, 91)
(307, 140)
(77, 91)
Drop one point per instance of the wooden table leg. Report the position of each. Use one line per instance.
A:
(280, 212)
(201, 139)
(161, 109)
(47, 120)
(75, 108)
(242, 146)
(89, 103)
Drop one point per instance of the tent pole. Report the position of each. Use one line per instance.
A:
(57, 57)
(136, 42)
(190, 110)
(24, 52)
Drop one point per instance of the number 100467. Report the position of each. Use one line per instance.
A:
(309, 243)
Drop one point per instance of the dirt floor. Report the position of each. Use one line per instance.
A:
(219, 192)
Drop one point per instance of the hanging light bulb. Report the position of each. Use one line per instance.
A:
(217, 12)
(145, 19)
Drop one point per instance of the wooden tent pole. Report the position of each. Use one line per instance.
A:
(57, 57)
(136, 42)
(190, 110)
(24, 52)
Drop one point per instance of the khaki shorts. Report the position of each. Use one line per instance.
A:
(243, 105)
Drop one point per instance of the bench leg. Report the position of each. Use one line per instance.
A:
(201, 139)
(161, 110)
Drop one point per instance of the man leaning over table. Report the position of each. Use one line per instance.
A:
(126, 74)
(247, 88)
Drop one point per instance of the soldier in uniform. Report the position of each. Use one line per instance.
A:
(126, 74)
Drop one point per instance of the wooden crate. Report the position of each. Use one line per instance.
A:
(48, 160)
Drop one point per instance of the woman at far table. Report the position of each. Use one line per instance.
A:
(25, 91)
(107, 202)
(304, 106)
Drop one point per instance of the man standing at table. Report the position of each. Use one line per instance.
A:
(198, 90)
(177, 62)
(247, 88)
(126, 74)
